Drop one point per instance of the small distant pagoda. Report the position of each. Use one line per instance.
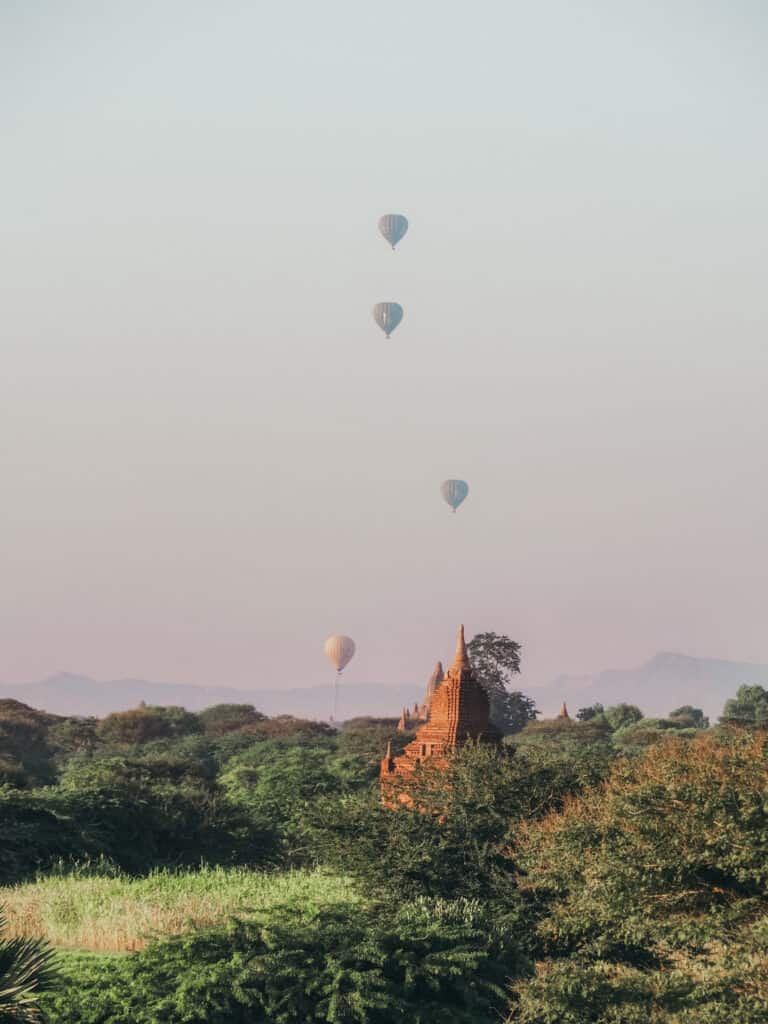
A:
(458, 711)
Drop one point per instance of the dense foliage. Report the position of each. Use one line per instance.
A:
(603, 870)
(651, 893)
(427, 960)
(748, 709)
(496, 660)
(457, 844)
(163, 787)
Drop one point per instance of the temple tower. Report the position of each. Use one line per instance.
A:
(459, 711)
(434, 681)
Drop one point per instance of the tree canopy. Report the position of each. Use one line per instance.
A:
(748, 709)
(651, 893)
(496, 660)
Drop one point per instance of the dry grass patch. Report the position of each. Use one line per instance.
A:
(122, 914)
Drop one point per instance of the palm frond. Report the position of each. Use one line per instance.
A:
(26, 969)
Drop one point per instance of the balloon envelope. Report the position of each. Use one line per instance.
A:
(393, 226)
(454, 492)
(387, 315)
(339, 650)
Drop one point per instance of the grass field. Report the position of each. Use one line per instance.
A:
(121, 914)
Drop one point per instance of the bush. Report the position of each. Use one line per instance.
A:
(127, 728)
(748, 709)
(637, 735)
(33, 836)
(224, 718)
(652, 892)
(24, 743)
(457, 841)
(277, 782)
(138, 813)
(564, 734)
(429, 961)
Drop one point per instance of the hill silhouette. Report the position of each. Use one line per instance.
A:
(68, 693)
(662, 683)
(666, 681)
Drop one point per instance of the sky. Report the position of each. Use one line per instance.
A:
(211, 458)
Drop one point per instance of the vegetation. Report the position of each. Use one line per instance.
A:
(26, 971)
(603, 870)
(748, 709)
(496, 660)
(98, 909)
(651, 895)
(429, 960)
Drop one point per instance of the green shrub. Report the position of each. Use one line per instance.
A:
(651, 893)
(223, 718)
(139, 725)
(457, 842)
(429, 961)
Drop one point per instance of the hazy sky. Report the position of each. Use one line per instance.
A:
(210, 456)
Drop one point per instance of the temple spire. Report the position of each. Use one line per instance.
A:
(434, 680)
(563, 713)
(461, 659)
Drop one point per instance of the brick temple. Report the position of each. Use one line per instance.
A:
(410, 718)
(457, 710)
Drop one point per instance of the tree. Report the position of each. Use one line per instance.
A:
(26, 970)
(457, 842)
(277, 782)
(689, 717)
(590, 712)
(24, 740)
(748, 709)
(223, 718)
(155, 809)
(367, 738)
(287, 725)
(619, 715)
(635, 736)
(650, 891)
(12, 773)
(564, 734)
(495, 660)
(142, 724)
(73, 736)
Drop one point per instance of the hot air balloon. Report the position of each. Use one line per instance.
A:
(454, 492)
(393, 226)
(339, 650)
(387, 315)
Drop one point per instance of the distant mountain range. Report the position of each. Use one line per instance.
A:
(67, 694)
(665, 682)
(658, 686)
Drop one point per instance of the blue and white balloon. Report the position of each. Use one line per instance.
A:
(454, 492)
(387, 315)
(393, 226)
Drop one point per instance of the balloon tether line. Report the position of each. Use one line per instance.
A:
(336, 694)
